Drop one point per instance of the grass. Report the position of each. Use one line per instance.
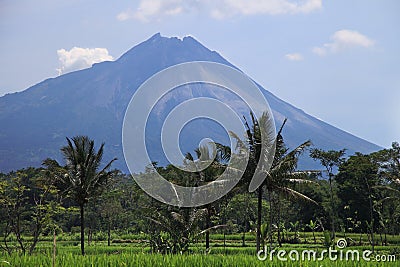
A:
(138, 254)
(140, 259)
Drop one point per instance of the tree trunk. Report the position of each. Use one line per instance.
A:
(207, 227)
(54, 247)
(89, 235)
(270, 220)
(372, 224)
(82, 230)
(109, 233)
(332, 208)
(315, 240)
(17, 232)
(35, 236)
(6, 234)
(385, 239)
(224, 242)
(371, 214)
(279, 221)
(259, 213)
(37, 231)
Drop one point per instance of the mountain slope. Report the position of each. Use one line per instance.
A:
(93, 101)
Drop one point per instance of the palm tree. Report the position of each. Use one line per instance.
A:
(181, 225)
(215, 168)
(254, 144)
(282, 172)
(82, 177)
(282, 175)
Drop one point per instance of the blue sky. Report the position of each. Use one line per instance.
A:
(337, 60)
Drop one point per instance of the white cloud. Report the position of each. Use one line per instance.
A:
(320, 51)
(148, 10)
(342, 40)
(294, 57)
(154, 9)
(125, 15)
(265, 7)
(79, 58)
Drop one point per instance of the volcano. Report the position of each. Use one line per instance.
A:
(93, 101)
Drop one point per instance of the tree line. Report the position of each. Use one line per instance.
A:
(351, 194)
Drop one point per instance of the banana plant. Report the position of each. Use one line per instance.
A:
(313, 225)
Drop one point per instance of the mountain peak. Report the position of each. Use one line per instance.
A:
(157, 40)
(157, 37)
(173, 50)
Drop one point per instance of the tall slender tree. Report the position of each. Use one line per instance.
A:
(216, 167)
(81, 178)
(282, 176)
(281, 173)
(254, 143)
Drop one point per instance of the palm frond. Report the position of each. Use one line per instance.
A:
(212, 228)
(388, 188)
(386, 199)
(301, 181)
(295, 194)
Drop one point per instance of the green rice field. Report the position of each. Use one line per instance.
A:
(131, 250)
